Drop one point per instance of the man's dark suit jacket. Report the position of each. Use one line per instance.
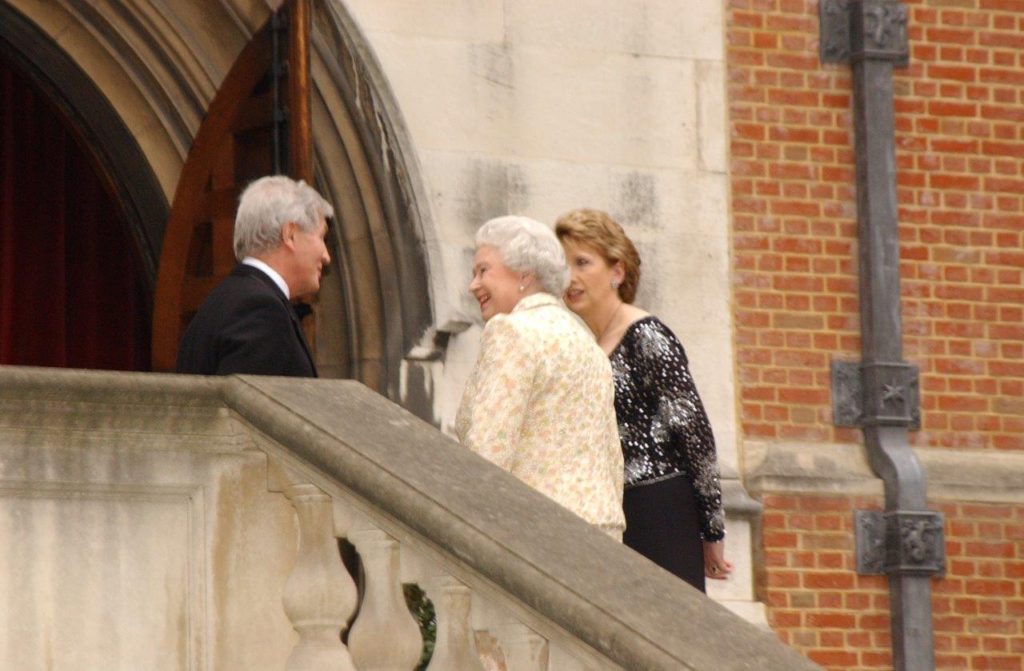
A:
(245, 325)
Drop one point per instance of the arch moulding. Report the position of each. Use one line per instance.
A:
(150, 70)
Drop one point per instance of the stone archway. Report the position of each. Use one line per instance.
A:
(153, 68)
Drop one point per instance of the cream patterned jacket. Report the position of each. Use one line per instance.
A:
(540, 404)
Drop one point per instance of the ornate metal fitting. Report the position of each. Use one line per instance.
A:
(875, 394)
(869, 541)
(901, 542)
(855, 30)
(834, 27)
(847, 405)
(890, 394)
(878, 31)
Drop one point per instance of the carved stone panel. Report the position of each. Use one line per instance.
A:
(137, 549)
(100, 577)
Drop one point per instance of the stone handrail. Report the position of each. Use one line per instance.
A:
(517, 581)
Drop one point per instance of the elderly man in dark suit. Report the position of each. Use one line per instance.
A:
(247, 323)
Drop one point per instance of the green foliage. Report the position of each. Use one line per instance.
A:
(423, 610)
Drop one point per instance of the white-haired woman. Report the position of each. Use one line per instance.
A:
(540, 401)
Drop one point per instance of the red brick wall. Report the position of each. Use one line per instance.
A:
(819, 605)
(960, 155)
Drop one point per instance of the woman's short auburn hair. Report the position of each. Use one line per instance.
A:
(596, 229)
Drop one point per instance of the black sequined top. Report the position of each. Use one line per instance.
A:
(662, 424)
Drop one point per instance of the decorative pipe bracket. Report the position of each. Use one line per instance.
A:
(856, 30)
(875, 394)
(901, 541)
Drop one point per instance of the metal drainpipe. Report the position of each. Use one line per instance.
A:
(879, 394)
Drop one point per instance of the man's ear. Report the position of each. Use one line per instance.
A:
(288, 232)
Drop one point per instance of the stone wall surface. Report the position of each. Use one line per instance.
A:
(537, 108)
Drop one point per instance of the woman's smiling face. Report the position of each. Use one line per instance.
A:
(494, 285)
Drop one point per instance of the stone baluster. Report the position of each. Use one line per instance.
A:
(524, 649)
(319, 595)
(455, 649)
(385, 636)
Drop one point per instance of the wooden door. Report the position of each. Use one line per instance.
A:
(258, 124)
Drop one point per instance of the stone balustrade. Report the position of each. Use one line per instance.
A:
(172, 522)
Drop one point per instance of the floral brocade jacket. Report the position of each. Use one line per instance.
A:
(540, 404)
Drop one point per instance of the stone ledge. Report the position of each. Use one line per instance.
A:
(737, 501)
(843, 469)
(74, 410)
(25, 383)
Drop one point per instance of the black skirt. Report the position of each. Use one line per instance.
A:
(662, 525)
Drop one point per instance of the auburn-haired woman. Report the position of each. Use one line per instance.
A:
(672, 501)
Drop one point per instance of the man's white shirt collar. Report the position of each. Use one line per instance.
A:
(271, 273)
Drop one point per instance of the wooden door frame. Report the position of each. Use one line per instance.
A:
(201, 221)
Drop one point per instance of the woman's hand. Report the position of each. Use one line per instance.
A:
(715, 565)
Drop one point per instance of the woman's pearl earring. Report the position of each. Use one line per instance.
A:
(615, 284)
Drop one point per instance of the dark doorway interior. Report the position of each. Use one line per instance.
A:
(72, 293)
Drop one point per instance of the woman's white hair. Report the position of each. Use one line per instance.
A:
(267, 205)
(528, 246)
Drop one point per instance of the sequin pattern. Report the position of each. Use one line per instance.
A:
(662, 424)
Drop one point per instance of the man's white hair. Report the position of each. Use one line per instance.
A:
(269, 203)
(528, 246)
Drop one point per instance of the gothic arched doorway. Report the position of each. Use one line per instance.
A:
(159, 65)
(74, 291)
